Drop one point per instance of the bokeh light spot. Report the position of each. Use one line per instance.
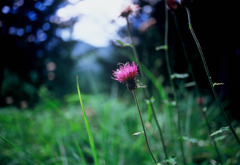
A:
(32, 15)
(18, 3)
(46, 26)
(28, 28)
(65, 34)
(23, 104)
(48, 2)
(40, 6)
(31, 38)
(6, 9)
(147, 9)
(9, 100)
(12, 30)
(41, 36)
(51, 76)
(51, 66)
(20, 32)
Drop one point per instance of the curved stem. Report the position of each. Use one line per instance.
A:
(209, 77)
(146, 91)
(171, 81)
(197, 88)
(144, 131)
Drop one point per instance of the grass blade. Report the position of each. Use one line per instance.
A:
(6, 140)
(91, 141)
(80, 152)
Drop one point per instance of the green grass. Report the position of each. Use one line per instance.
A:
(55, 133)
(57, 138)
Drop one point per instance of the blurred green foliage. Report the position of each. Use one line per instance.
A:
(55, 132)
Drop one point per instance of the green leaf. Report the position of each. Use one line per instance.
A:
(218, 84)
(127, 45)
(189, 84)
(172, 103)
(150, 108)
(120, 42)
(137, 133)
(91, 141)
(124, 45)
(221, 130)
(171, 160)
(165, 47)
(176, 75)
(219, 138)
(192, 140)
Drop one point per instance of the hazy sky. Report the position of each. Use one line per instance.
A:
(98, 21)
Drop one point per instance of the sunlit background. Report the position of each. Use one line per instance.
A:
(74, 37)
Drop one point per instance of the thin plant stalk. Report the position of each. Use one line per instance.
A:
(171, 81)
(197, 88)
(144, 131)
(132, 45)
(146, 91)
(209, 77)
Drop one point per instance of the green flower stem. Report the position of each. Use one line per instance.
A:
(197, 88)
(144, 131)
(171, 81)
(209, 77)
(133, 47)
(146, 91)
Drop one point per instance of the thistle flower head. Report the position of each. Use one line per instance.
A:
(129, 9)
(127, 73)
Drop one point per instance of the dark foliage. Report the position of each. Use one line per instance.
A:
(28, 44)
(217, 29)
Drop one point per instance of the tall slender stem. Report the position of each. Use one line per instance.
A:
(171, 81)
(197, 88)
(144, 131)
(146, 91)
(209, 77)
(133, 47)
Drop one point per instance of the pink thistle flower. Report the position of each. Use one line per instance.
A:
(127, 73)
